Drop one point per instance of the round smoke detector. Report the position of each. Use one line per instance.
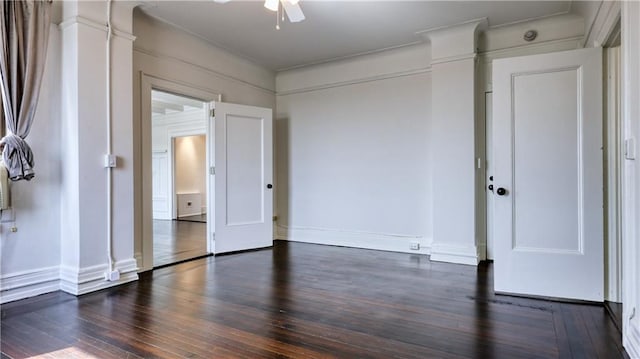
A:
(530, 35)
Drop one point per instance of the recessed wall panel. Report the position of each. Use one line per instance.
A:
(547, 182)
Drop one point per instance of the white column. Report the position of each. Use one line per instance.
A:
(453, 143)
(84, 144)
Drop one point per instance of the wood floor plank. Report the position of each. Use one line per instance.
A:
(306, 301)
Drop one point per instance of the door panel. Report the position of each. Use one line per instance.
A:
(243, 163)
(245, 179)
(547, 130)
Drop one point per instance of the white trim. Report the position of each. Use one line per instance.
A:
(347, 57)
(147, 84)
(138, 257)
(380, 77)
(89, 279)
(75, 20)
(492, 54)
(217, 74)
(631, 343)
(25, 284)
(478, 21)
(605, 20)
(614, 161)
(455, 254)
(542, 17)
(447, 59)
(355, 239)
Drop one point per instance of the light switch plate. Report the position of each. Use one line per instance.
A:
(110, 160)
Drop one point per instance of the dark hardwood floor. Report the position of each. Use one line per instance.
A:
(175, 241)
(307, 301)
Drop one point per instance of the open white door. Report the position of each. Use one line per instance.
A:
(547, 133)
(243, 177)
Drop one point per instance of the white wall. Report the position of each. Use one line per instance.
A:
(190, 170)
(352, 148)
(183, 61)
(33, 252)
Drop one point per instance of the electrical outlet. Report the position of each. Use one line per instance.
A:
(112, 276)
(415, 246)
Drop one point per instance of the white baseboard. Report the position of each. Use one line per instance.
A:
(333, 237)
(90, 279)
(631, 342)
(441, 252)
(189, 214)
(138, 257)
(482, 251)
(20, 285)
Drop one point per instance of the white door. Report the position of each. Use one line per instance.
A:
(160, 179)
(243, 178)
(548, 204)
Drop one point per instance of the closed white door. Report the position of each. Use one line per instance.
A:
(548, 204)
(160, 182)
(243, 178)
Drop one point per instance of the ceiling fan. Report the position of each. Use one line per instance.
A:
(291, 8)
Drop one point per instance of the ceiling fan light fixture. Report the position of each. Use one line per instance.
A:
(272, 4)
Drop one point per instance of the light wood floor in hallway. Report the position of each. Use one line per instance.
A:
(175, 241)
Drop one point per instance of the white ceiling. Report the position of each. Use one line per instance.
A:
(333, 29)
(163, 103)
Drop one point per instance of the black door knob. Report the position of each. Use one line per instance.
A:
(490, 187)
(269, 186)
(501, 191)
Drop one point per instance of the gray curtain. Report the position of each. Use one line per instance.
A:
(24, 34)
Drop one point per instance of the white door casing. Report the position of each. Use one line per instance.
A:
(243, 177)
(547, 133)
(489, 172)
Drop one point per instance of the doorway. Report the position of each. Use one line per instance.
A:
(190, 178)
(179, 176)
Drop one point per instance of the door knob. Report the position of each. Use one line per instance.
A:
(269, 186)
(490, 187)
(501, 191)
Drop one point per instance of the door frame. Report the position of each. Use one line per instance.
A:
(613, 161)
(148, 83)
(488, 171)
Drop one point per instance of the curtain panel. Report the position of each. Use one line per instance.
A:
(24, 34)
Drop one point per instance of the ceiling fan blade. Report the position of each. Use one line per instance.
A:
(221, 1)
(294, 12)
